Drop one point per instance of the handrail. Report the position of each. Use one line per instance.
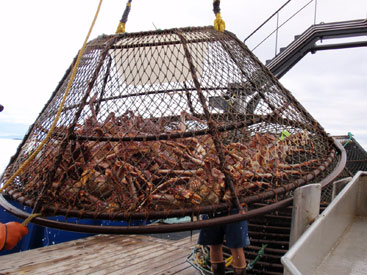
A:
(278, 27)
(305, 43)
(266, 21)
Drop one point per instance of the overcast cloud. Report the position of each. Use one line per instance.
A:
(39, 39)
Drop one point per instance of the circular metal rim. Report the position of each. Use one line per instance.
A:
(52, 211)
(143, 229)
(167, 228)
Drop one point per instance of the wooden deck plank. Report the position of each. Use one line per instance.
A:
(167, 267)
(35, 259)
(105, 254)
(179, 269)
(129, 262)
(116, 254)
(140, 261)
(32, 262)
(49, 253)
(144, 265)
(164, 263)
(101, 260)
(58, 261)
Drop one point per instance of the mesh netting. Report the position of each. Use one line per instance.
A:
(173, 121)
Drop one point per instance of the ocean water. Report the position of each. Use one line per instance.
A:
(8, 148)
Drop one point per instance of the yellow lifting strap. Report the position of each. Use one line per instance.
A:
(121, 28)
(219, 23)
(122, 24)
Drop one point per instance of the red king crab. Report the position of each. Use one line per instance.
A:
(103, 175)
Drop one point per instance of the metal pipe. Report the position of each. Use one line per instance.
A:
(143, 229)
(314, 18)
(340, 167)
(338, 46)
(276, 35)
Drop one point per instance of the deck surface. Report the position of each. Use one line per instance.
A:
(105, 254)
(350, 253)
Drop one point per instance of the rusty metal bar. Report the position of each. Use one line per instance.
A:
(161, 228)
(219, 129)
(143, 229)
(211, 124)
(159, 44)
(204, 209)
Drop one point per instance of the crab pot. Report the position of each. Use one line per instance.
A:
(169, 123)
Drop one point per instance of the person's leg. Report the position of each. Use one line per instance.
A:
(237, 238)
(239, 261)
(213, 237)
(216, 259)
(216, 253)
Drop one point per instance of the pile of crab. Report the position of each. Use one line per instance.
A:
(103, 174)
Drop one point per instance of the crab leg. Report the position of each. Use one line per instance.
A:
(297, 165)
(177, 172)
(169, 182)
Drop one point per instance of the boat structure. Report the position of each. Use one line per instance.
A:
(148, 132)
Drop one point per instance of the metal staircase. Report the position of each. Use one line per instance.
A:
(306, 42)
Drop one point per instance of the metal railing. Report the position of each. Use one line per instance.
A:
(305, 43)
(278, 26)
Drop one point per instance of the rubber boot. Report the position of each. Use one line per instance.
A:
(239, 271)
(219, 268)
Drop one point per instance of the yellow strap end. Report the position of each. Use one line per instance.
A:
(120, 28)
(30, 218)
(219, 23)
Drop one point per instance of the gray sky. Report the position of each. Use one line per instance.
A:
(39, 39)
